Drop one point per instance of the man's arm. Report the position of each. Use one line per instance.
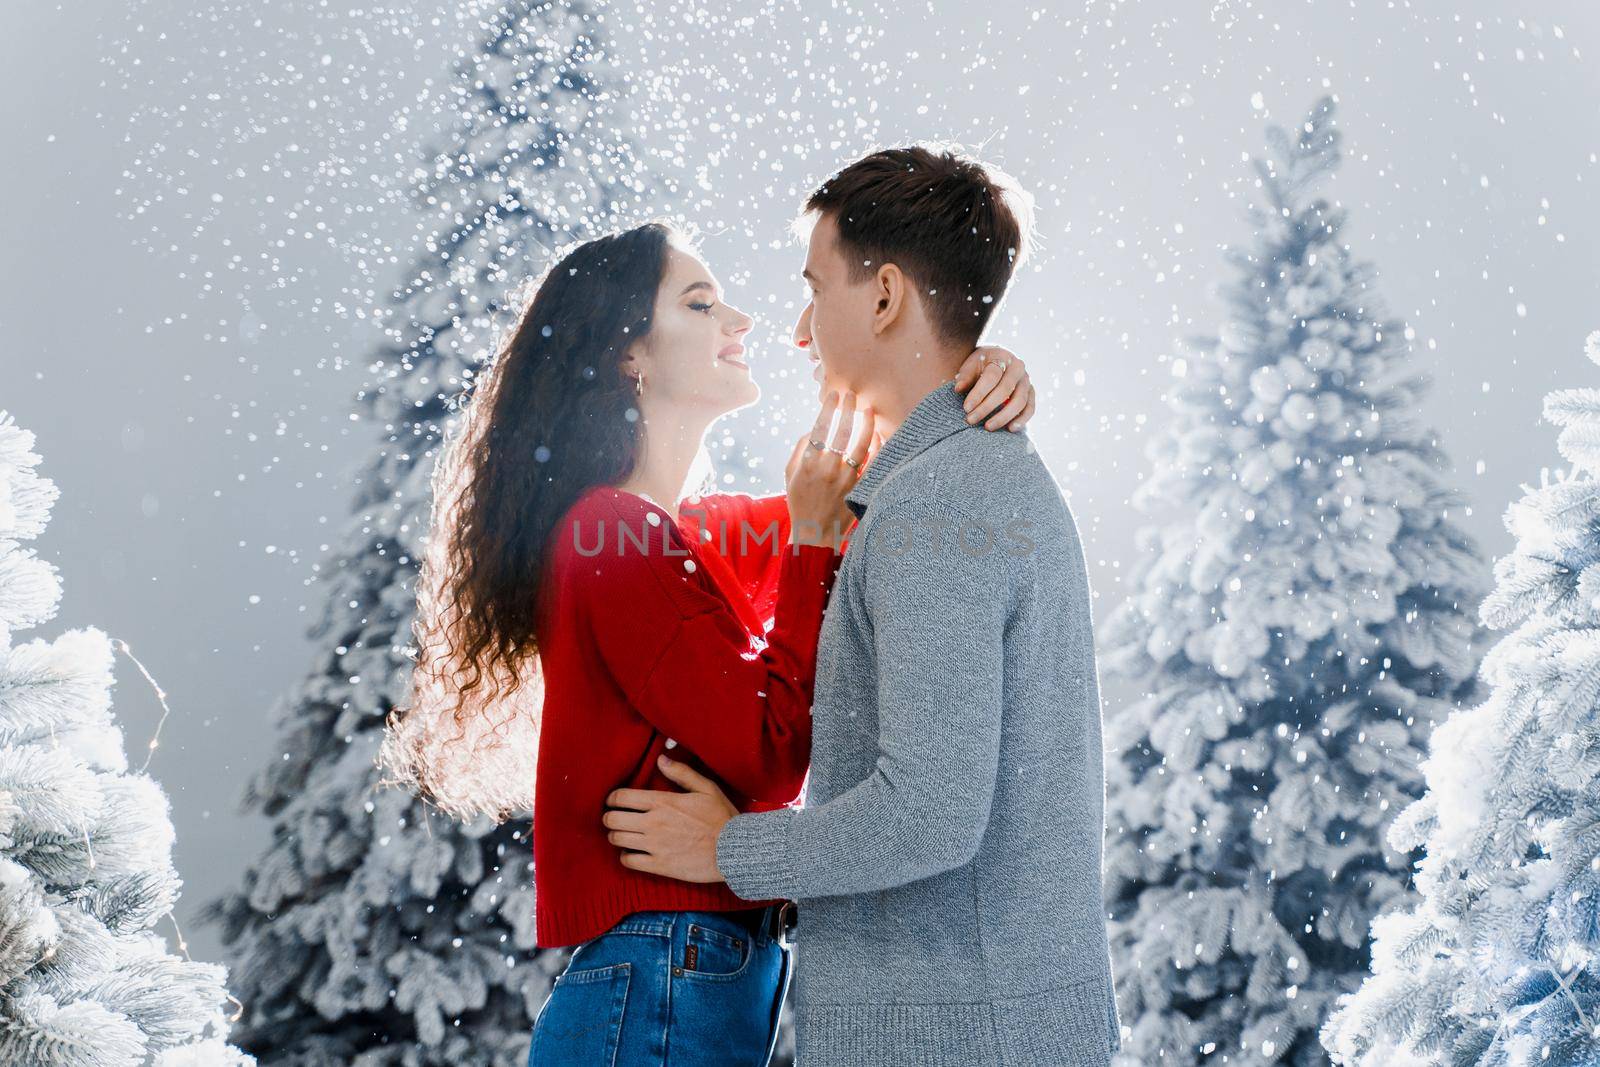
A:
(938, 613)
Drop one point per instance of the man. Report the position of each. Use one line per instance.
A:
(947, 864)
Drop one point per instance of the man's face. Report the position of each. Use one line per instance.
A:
(835, 327)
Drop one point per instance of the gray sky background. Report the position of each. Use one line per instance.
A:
(197, 224)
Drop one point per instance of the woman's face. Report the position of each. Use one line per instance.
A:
(694, 358)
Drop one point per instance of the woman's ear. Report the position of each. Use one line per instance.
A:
(889, 293)
(631, 367)
(635, 355)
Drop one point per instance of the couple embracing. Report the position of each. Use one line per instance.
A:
(903, 635)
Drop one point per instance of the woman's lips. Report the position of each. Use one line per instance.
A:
(731, 354)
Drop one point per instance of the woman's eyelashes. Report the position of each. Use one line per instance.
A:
(706, 308)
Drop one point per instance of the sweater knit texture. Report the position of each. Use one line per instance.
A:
(947, 860)
(653, 634)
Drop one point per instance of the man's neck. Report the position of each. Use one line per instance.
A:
(907, 378)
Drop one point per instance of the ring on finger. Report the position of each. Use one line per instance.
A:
(1000, 363)
(818, 445)
(852, 461)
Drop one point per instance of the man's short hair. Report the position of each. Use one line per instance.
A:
(956, 228)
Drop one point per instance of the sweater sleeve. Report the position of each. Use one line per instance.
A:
(687, 664)
(749, 532)
(938, 617)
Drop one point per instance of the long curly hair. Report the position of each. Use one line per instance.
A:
(552, 416)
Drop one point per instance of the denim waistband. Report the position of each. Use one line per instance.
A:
(662, 923)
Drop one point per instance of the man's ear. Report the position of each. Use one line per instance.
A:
(889, 296)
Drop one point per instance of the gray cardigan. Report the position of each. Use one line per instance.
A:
(947, 861)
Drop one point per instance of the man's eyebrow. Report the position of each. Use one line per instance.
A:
(692, 286)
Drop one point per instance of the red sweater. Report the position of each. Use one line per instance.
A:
(649, 631)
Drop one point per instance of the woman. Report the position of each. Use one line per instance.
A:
(562, 535)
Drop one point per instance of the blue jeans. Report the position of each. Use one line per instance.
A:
(666, 989)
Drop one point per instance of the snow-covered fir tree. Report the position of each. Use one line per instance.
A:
(374, 931)
(1496, 963)
(85, 842)
(1300, 617)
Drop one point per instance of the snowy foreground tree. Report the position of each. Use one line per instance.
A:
(1498, 961)
(373, 931)
(1299, 620)
(85, 844)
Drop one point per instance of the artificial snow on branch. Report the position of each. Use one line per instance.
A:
(372, 931)
(85, 844)
(1494, 961)
(1298, 621)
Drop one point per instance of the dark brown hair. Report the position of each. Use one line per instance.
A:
(552, 416)
(956, 228)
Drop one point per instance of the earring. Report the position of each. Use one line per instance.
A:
(638, 384)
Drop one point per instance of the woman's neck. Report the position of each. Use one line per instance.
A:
(667, 451)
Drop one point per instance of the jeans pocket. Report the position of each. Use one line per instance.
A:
(713, 952)
(725, 1020)
(581, 1022)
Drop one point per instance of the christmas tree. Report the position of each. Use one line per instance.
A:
(1495, 962)
(1300, 618)
(374, 931)
(85, 843)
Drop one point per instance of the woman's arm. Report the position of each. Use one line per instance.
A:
(687, 664)
(750, 533)
(998, 389)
